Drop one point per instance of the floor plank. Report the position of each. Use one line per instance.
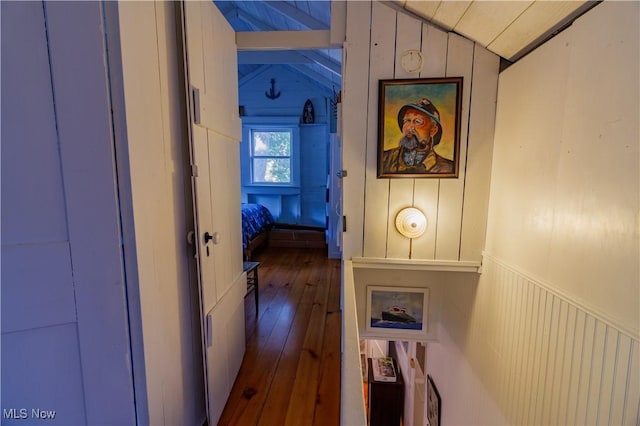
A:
(308, 371)
(290, 373)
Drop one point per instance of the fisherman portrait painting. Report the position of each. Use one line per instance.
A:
(421, 130)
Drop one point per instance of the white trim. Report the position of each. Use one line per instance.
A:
(352, 397)
(283, 40)
(417, 265)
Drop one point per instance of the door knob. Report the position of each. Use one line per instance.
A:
(207, 237)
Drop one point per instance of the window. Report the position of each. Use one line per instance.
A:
(270, 159)
(271, 156)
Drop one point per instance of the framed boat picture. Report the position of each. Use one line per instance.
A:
(397, 312)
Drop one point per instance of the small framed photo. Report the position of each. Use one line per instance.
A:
(419, 127)
(434, 406)
(397, 312)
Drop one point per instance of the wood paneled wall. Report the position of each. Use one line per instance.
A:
(544, 358)
(62, 268)
(294, 88)
(456, 209)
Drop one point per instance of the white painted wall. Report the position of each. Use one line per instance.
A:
(568, 139)
(549, 334)
(156, 202)
(294, 88)
(65, 337)
(456, 209)
(80, 101)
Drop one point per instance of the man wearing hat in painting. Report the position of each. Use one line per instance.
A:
(421, 132)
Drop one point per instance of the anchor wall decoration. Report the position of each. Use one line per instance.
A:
(271, 94)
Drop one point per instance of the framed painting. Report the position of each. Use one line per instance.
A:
(419, 127)
(433, 403)
(397, 312)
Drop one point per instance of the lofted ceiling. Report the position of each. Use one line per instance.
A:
(510, 29)
(324, 66)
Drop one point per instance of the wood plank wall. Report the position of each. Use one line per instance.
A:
(544, 358)
(62, 269)
(456, 209)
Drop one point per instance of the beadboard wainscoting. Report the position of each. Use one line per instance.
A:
(542, 356)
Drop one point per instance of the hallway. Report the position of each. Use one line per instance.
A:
(290, 374)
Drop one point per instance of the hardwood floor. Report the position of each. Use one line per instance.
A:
(290, 374)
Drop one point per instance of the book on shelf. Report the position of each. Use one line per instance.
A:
(383, 369)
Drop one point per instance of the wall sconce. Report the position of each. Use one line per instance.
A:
(411, 222)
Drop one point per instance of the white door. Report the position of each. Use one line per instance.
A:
(334, 205)
(215, 133)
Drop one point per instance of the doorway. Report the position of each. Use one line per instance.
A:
(278, 86)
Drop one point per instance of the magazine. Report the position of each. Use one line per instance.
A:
(383, 370)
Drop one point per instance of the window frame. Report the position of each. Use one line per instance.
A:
(294, 155)
(253, 156)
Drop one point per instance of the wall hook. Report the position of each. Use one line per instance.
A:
(271, 94)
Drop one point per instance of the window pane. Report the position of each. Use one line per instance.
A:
(272, 170)
(272, 143)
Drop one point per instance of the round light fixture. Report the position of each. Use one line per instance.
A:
(411, 222)
(412, 61)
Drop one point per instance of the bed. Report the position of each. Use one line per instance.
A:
(256, 223)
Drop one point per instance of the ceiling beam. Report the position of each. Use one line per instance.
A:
(330, 86)
(253, 74)
(271, 57)
(338, 22)
(320, 79)
(324, 61)
(258, 24)
(228, 10)
(296, 14)
(321, 36)
(289, 57)
(283, 40)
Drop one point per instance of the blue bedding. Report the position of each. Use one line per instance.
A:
(255, 219)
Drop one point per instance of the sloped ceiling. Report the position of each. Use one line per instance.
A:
(510, 29)
(321, 65)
